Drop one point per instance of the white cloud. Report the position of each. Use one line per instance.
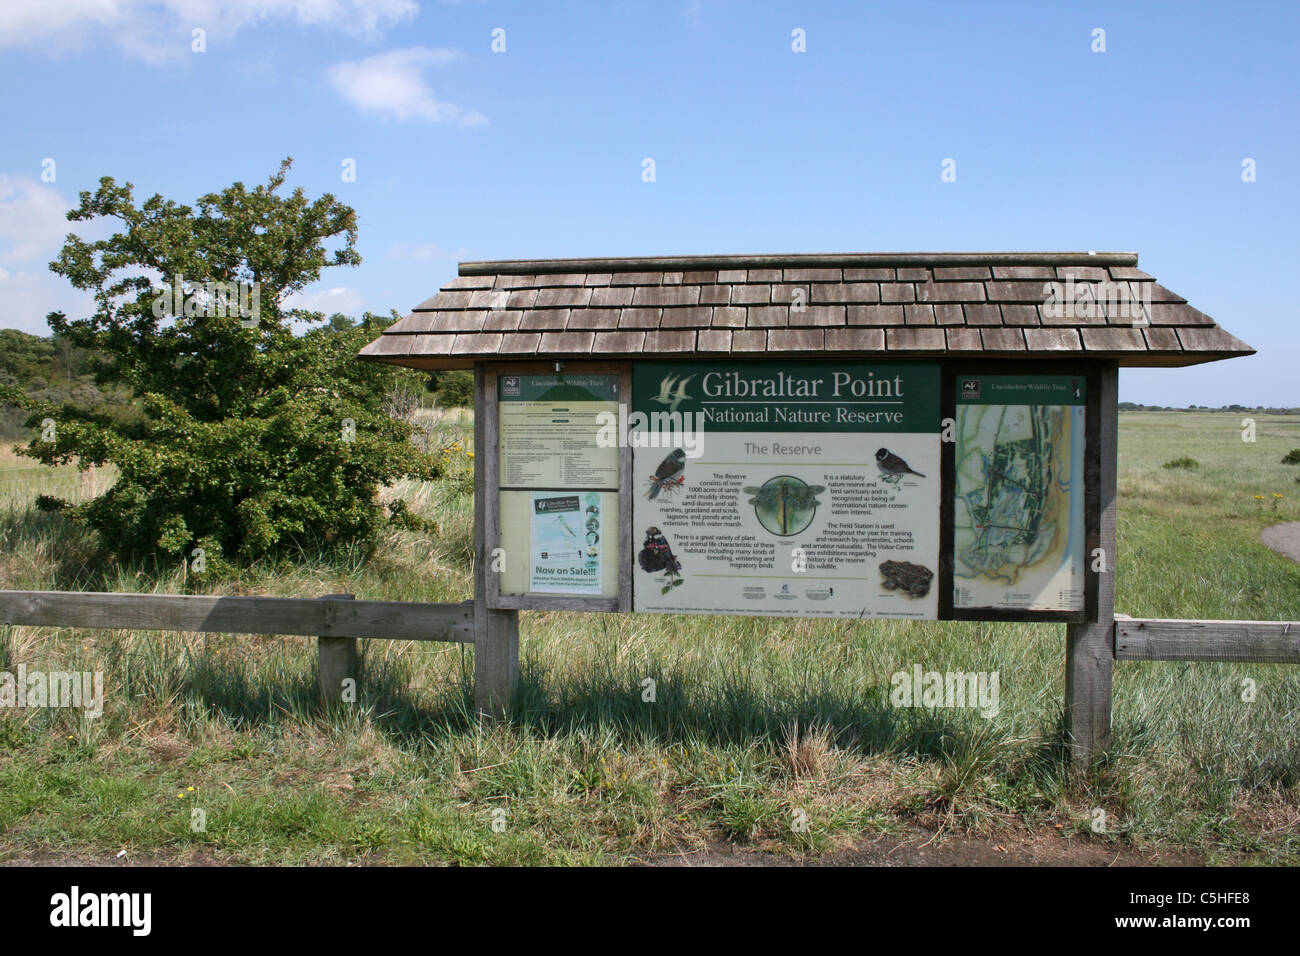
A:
(335, 299)
(392, 84)
(27, 297)
(159, 30)
(33, 224)
(33, 220)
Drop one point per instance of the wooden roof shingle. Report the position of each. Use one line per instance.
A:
(878, 305)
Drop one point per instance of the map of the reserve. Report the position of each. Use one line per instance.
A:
(1019, 532)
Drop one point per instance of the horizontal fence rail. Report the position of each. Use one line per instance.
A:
(324, 617)
(337, 621)
(1260, 642)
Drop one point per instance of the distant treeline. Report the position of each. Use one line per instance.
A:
(53, 370)
(56, 371)
(1259, 409)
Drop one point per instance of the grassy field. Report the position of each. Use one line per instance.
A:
(756, 720)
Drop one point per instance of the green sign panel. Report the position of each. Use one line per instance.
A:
(1021, 390)
(786, 488)
(557, 387)
(1018, 496)
(557, 485)
(841, 397)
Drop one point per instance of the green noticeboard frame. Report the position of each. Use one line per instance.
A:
(1089, 374)
(950, 372)
(506, 543)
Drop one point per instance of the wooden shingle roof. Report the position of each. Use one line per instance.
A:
(1003, 304)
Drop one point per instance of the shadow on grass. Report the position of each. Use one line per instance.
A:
(717, 712)
(246, 698)
(721, 709)
(735, 707)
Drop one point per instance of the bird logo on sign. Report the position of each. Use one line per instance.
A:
(666, 395)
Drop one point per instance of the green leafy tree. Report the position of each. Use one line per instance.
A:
(454, 389)
(251, 436)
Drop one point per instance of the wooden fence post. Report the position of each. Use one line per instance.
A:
(338, 659)
(496, 633)
(1090, 647)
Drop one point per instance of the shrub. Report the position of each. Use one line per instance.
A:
(1292, 457)
(1187, 463)
(401, 515)
(455, 389)
(253, 437)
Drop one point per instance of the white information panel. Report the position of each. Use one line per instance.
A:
(801, 489)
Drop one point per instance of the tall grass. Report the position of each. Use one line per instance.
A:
(756, 723)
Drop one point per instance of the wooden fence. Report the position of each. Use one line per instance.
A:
(1256, 642)
(338, 621)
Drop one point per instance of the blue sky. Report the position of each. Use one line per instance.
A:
(464, 153)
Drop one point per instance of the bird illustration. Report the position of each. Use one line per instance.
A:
(667, 473)
(680, 395)
(656, 554)
(665, 390)
(893, 467)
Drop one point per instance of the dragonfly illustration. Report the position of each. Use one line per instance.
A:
(783, 501)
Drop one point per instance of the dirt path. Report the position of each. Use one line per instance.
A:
(922, 848)
(914, 846)
(1284, 539)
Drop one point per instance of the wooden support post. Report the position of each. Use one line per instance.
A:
(338, 660)
(496, 633)
(1090, 647)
